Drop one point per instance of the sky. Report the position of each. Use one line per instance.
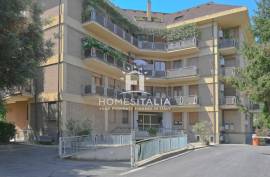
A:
(169, 6)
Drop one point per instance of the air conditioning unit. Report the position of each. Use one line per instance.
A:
(220, 34)
(222, 61)
(222, 87)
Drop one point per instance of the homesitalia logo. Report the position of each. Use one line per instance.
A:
(135, 94)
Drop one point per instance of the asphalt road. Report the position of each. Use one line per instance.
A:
(218, 161)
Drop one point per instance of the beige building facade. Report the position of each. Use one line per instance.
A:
(190, 73)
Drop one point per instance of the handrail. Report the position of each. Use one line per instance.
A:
(163, 46)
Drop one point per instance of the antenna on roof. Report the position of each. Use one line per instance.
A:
(149, 10)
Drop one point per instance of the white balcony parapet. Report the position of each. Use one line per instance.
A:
(229, 71)
(230, 100)
(186, 100)
(182, 72)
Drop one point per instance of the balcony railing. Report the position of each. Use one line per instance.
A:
(229, 71)
(225, 43)
(171, 73)
(254, 106)
(116, 93)
(182, 72)
(18, 90)
(100, 55)
(229, 100)
(146, 45)
(186, 100)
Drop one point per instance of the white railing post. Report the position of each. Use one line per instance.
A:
(60, 147)
(132, 149)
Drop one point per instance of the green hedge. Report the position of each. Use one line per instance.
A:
(7, 131)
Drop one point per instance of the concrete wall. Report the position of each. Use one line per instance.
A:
(105, 154)
(17, 113)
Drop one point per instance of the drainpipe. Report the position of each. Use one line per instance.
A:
(58, 68)
(214, 81)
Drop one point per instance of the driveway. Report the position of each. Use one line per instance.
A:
(217, 161)
(42, 161)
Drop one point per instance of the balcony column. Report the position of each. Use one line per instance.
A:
(185, 120)
(186, 90)
(106, 85)
(93, 85)
(136, 116)
(167, 120)
(106, 117)
(184, 63)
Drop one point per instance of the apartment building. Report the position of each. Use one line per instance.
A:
(190, 72)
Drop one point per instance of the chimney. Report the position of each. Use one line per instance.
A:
(149, 8)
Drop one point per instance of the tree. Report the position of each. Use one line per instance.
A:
(22, 47)
(254, 79)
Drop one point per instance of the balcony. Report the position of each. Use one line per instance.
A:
(228, 71)
(254, 107)
(186, 100)
(172, 75)
(96, 59)
(93, 91)
(18, 93)
(228, 46)
(102, 27)
(229, 102)
(182, 72)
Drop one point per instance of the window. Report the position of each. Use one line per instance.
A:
(125, 117)
(177, 118)
(193, 118)
(52, 111)
(113, 114)
(177, 64)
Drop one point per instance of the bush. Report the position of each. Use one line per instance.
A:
(7, 131)
(152, 131)
(203, 129)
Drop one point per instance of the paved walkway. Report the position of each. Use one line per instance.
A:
(42, 161)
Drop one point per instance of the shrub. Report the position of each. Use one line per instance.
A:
(152, 131)
(78, 127)
(7, 131)
(202, 129)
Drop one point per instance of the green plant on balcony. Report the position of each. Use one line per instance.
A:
(106, 8)
(90, 42)
(179, 33)
(152, 131)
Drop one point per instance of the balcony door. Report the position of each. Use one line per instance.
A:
(149, 120)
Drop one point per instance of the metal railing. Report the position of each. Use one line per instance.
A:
(69, 146)
(229, 100)
(147, 149)
(99, 18)
(224, 43)
(110, 60)
(23, 89)
(229, 71)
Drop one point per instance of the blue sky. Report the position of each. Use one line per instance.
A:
(176, 5)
